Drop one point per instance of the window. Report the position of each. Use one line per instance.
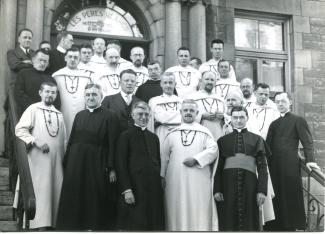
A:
(261, 49)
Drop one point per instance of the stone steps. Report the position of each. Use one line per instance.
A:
(8, 226)
(4, 178)
(4, 162)
(6, 213)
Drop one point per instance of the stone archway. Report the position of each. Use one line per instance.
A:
(151, 15)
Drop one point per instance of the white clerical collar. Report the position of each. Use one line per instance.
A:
(283, 114)
(61, 49)
(142, 128)
(166, 95)
(92, 109)
(239, 129)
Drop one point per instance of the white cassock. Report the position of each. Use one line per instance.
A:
(225, 86)
(264, 115)
(189, 200)
(124, 64)
(166, 111)
(247, 102)
(46, 124)
(187, 79)
(212, 65)
(71, 85)
(98, 62)
(209, 103)
(109, 79)
(89, 70)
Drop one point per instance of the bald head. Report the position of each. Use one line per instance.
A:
(209, 80)
(112, 57)
(247, 87)
(234, 98)
(99, 46)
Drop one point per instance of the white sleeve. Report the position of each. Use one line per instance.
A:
(25, 125)
(209, 154)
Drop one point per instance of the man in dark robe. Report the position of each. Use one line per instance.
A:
(138, 166)
(121, 103)
(29, 82)
(57, 55)
(88, 196)
(237, 189)
(283, 138)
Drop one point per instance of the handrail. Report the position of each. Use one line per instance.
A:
(26, 184)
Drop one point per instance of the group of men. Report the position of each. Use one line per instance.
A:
(115, 145)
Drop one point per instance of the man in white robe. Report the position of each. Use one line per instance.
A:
(247, 88)
(211, 107)
(137, 57)
(216, 49)
(263, 109)
(117, 45)
(165, 109)
(187, 77)
(109, 76)
(98, 59)
(71, 84)
(86, 51)
(42, 128)
(225, 84)
(189, 151)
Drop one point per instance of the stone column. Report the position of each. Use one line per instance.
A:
(173, 31)
(8, 16)
(34, 20)
(197, 30)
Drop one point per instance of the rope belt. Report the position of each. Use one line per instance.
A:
(241, 161)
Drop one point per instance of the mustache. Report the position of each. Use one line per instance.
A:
(188, 115)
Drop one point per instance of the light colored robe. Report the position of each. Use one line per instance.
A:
(264, 115)
(189, 201)
(89, 70)
(72, 99)
(165, 110)
(187, 79)
(209, 103)
(212, 65)
(225, 86)
(98, 62)
(109, 79)
(247, 102)
(46, 169)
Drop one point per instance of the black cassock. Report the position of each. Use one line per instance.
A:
(239, 186)
(87, 198)
(138, 167)
(283, 138)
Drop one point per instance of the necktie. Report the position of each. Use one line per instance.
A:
(128, 99)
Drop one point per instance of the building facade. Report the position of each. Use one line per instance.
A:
(278, 42)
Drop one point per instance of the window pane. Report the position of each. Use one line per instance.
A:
(273, 75)
(246, 33)
(271, 36)
(246, 68)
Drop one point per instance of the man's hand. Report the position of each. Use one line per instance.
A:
(190, 162)
(129, 198)
(112, 176)
(218, 197)
(42, 146)
(27, 61)
(219, 115)
(209, 116)
(260, 198)
(312, 165)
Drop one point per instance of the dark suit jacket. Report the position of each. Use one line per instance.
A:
(117, 104)
(16, 57)
(56, 61)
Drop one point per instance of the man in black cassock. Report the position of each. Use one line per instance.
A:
(138, 168)
(29, 81)
(237, 189)
(283, 138)
(88, 196)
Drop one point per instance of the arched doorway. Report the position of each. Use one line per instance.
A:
(111, 20)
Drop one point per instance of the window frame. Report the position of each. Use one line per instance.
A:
(263, 54)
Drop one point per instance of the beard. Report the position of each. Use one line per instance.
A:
(48, 101)
(246, 94)
(137, 63)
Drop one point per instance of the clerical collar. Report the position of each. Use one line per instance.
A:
(166, 95)
(142, 128)
(241, 129)
(283, 114)
(61, 49)
(92, 109)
